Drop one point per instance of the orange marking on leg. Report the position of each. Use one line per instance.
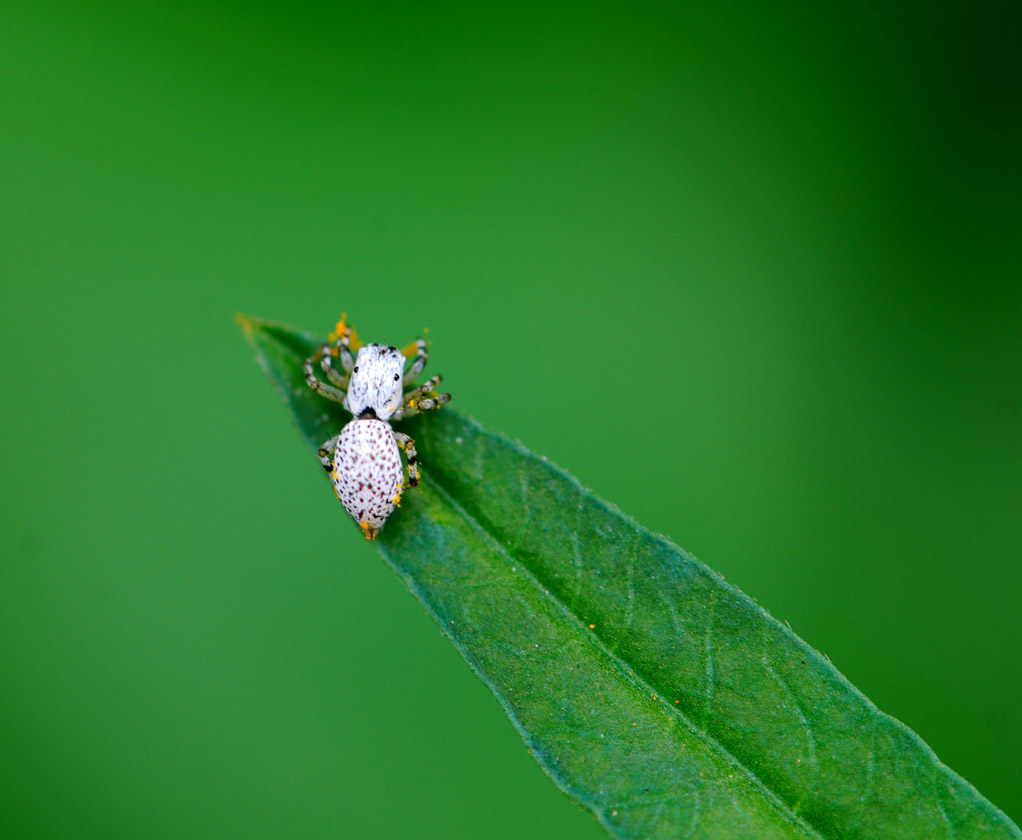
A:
(343, 329)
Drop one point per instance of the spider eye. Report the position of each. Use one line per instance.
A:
(355, 369)
(397, 376)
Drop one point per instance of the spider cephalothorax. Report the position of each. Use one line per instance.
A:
(376, 384)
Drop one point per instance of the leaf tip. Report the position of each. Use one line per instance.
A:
(247, 324)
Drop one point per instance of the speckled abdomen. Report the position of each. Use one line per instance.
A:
(367, 473)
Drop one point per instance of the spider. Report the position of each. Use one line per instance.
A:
(363, 459)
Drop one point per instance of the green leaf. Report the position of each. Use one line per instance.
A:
(650, 690)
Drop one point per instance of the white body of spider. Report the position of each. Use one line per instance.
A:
(364, 459)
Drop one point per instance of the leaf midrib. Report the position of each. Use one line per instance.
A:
(632, 674)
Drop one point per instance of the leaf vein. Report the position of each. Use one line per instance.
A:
(710, 672)
(782, 808)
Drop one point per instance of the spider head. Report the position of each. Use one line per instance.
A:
(375, 388)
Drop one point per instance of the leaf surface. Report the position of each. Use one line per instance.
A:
(650, 690)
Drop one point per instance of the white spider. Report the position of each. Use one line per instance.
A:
(363, 459)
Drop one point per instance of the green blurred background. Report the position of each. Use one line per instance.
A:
(786, 237)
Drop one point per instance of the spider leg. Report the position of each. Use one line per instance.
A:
(418, 399)
(418, 363)
(344, 352)
(415, 407)
(326, 451)
(408, 445)
(316, 384)
(336, 378)
(422, 390)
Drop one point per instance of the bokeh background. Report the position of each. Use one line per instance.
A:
(750, 271)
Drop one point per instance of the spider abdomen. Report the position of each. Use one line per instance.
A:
(367, 473)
